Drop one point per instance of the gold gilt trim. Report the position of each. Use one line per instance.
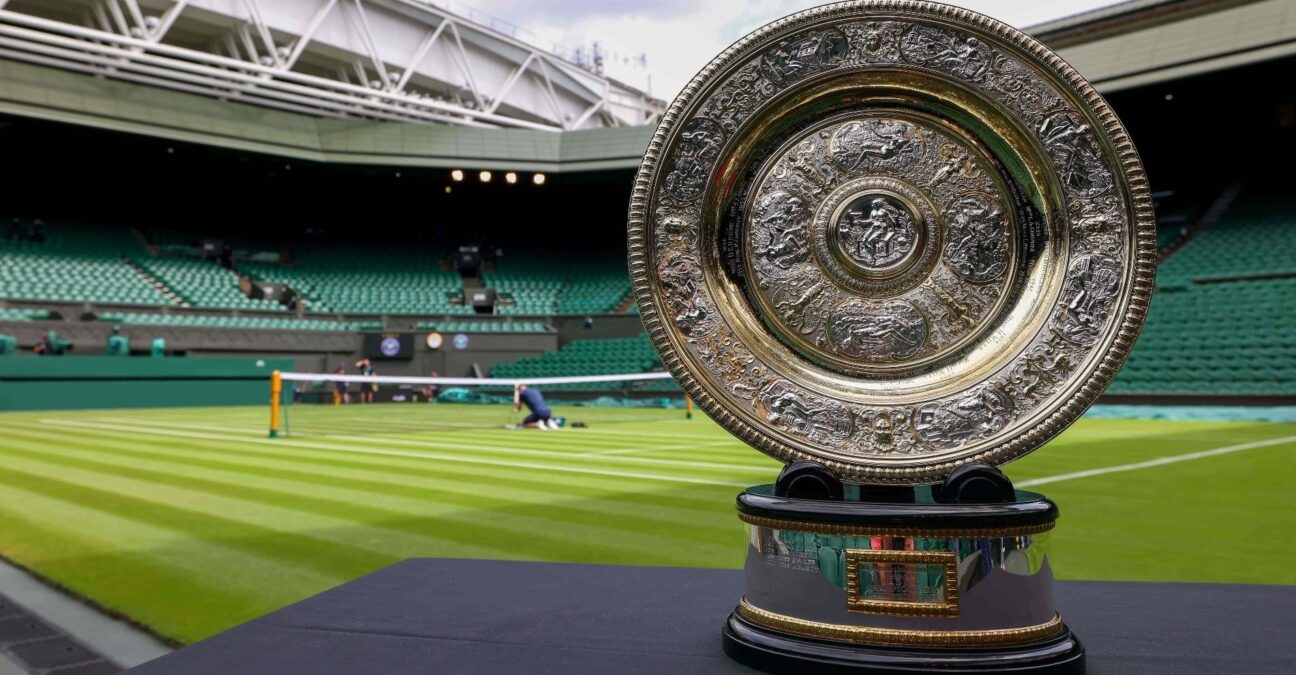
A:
(891, 637)
(947, 559)
(867, 530)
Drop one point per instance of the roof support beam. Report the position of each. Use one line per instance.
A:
(168, 20)
(508, 84)
(361, 23)
(419, 54)
(307, 35)
(264, 31)
(492, 78)
(463, 65)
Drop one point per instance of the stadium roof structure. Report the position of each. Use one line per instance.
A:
(405, 83)
(1141, 42)
(394, 60)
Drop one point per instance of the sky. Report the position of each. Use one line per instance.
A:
(678, 37)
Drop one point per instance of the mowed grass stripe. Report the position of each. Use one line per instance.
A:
(242, 525)
(568, 458)
(635, 531)
(563, 444)
(382, 528)
(184, 588)
(312, 420)
(391, 534)
(416, 471)
(381, 475)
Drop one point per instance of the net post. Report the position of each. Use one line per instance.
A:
(688, 407)
(276, 389)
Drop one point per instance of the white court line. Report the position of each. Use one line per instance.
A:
(259, 433)
(393, 453)
(733, 442)
(536, 452)
(1160, 461)
(460, 445)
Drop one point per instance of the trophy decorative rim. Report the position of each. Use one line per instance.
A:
(1102, 358)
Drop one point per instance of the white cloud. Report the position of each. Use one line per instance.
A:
(678, 37)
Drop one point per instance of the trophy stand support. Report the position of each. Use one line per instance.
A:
(898, 579)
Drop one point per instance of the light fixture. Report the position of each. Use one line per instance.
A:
(510, 178)
(538, 179)
(485, 176)
(448, 189)
(456, 175)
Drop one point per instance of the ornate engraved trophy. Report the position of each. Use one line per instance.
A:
(893, 244)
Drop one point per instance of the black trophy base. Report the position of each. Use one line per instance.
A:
(777, 653)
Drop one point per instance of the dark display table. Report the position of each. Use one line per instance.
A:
(475, 616)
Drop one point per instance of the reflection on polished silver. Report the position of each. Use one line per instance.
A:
(891, 237)
(1000, 583)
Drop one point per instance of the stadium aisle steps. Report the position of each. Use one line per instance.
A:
(75, 264)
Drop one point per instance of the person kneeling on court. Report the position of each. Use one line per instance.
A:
(540, 417)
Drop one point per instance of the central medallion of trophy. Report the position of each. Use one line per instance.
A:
(881, 243)
(877, 233)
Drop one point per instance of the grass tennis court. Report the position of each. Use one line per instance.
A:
(189, 521)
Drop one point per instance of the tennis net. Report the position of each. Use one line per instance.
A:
(327, 404)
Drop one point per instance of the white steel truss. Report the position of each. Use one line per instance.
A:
(400, 60)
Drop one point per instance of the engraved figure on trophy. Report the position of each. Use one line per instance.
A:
(779, 232)
(955, 162)
(803, 304)
(877, 232)
(978, 246)
(821, 421)
(1068, 140)
(966, 57)
(679, 227)
(1040, 371)
(878, 333)
(681, 277)
(872, 41)
(807, 166)
(794, 59)
(740, 95)
(975, 415)
(1093, 283)
(698, 149)
(865, 145)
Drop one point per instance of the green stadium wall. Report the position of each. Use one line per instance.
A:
(77, 382)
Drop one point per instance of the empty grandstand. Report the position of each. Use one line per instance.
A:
(592, 357)
(1222, 322)
(338, 230)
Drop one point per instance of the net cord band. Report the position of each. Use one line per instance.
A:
(473, 381)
